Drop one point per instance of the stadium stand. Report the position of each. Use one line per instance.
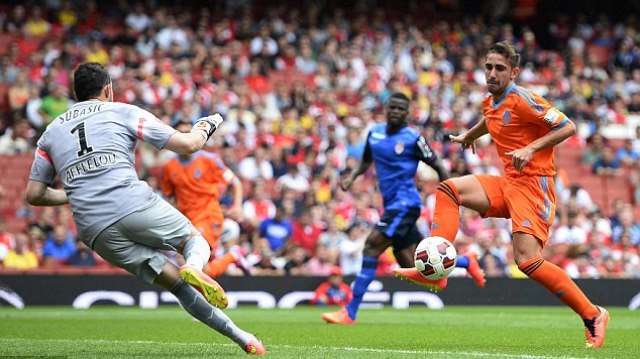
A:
(344, 61)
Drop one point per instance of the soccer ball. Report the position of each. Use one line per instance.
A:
(435, 258)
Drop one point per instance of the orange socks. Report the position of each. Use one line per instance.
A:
(446, 217)
(558, 282)
(218, 266)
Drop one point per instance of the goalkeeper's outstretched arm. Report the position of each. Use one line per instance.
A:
(190, 142)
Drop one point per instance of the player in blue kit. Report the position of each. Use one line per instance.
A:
(396, 151)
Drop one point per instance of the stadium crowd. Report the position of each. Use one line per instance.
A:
(298, 88)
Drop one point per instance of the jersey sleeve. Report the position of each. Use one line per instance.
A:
(42, 169)
(148, 128)
(538, 111)
(424, 152)
(223, 173)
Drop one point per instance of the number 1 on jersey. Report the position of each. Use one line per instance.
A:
(82, 137)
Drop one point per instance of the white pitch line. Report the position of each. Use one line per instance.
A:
(313, 347)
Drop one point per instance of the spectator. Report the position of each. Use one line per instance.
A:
(627, 154)
(83, 256)
(598, 225)
(333, 291)
(490, 253)
(351, 249)
(15, 23)
(259, 205)
(305, 233)
(607, 165)
(634, 105)
(275, 230)
(138, 20)
(595, 147)
(297, 258)
(256, 166)
(171, 34)
(627, 225)
(54, 104)
(263, 43)
(19, 92)
(16, 140)
(577, 196)
(32, 109)
(97, 53)
(36, 25)
(578, 264)
(332, 238)
(570, 231)
(21, 257)
(293, 180)
(58, 248)
(321, 263)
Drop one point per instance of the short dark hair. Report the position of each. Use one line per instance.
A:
(400, 95)
(506, 49)
(89, 79)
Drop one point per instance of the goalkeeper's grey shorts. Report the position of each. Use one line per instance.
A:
(135, 242)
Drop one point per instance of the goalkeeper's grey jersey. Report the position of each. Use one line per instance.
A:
(91, 148)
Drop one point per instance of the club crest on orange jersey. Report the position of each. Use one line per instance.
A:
(197, 174)
(399, 148)
(506, 118)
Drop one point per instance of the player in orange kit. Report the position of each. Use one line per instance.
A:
(193, 181)
(525, 129)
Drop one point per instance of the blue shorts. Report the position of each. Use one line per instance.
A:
(400, 226)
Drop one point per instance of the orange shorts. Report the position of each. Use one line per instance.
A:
(530, 202)
(210, 230)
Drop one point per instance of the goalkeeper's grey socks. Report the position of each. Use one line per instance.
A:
(196, 251)
(195, 304)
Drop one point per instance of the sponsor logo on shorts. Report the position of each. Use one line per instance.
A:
(526, 223)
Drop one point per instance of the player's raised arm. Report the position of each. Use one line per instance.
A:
(190, 142)
(362, 167)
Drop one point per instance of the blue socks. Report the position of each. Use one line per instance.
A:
(462, 261)
(360, 285)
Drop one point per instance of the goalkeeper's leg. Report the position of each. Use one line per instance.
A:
(196, 305)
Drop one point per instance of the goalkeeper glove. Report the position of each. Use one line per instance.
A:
(208, 125)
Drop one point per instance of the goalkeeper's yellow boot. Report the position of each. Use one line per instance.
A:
(412, 275)
(209, 288)
(595, 329)
(339, 317)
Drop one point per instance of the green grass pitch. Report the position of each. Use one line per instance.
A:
(454, 332)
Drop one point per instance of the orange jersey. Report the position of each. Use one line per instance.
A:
(519, 119)
(194, 183)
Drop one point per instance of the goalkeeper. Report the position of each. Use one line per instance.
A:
(91, 148)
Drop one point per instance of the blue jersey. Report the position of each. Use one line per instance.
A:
(396, 159)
